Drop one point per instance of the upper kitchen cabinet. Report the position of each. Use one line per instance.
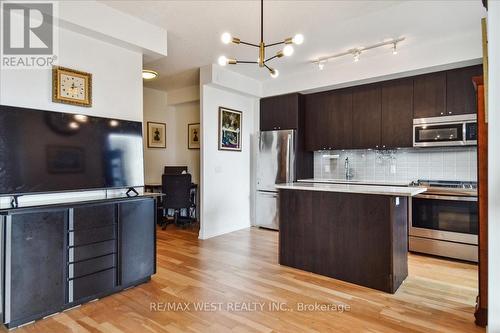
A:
(280, 112)
(460, 93)
(329, 120)
(397, 113)
(317, 115)
(429, 95)
(366, 116)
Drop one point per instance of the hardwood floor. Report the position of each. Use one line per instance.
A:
(438, 295)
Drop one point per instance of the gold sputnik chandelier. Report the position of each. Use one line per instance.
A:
(261, 61)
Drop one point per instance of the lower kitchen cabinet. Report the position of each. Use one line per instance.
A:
(137, 240)
(34, 264)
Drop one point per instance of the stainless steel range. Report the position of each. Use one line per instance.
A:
(444, 219)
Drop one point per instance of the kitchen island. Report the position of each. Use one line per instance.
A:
(354, 233)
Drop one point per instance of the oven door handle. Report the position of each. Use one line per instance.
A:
(445, 197)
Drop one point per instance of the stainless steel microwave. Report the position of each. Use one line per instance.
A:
(460, 130)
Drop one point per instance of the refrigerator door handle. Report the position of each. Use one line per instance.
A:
(290, 170)
(288, 147)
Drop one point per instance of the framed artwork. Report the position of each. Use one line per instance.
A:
(70, 86)
(157, 135)
(229, 129)
(194, 136)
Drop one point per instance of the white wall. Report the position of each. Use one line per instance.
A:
(227, 186)
(116, 79)
(493, 167)
(177, 109)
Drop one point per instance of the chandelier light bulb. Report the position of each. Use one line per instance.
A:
(288, 50)
(274, 73)
(321, 65)
(298, 39)
(395, 48)
(222, 60)
(226, 38)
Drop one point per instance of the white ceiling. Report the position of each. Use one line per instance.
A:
(329, 27)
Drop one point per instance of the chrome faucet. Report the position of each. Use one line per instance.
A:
(347, 167)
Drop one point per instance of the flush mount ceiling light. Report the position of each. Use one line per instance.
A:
(149, 74)
(287, 50)
(356, 53)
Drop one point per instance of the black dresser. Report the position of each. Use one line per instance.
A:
(57, 256)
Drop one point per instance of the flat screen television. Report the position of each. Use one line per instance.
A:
(43, 151)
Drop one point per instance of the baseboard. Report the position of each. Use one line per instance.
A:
(481, 316)
(204, 236)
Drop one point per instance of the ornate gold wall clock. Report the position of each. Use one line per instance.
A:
(71, 86)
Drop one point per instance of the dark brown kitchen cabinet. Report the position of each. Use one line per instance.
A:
(460, 93)
(316, 115)
(280, 112)
(329, 120)
(397, 114)
(366, 116)
(429, 95)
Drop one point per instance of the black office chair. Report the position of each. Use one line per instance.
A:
(177, 190)
(174, 170)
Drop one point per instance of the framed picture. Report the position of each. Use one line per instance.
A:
(70, 86)
(157, 135)
(194, 136)
(229, 129)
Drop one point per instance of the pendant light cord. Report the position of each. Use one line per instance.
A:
(262, 21)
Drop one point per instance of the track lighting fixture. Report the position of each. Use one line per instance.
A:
(287, 50)
(356, 53)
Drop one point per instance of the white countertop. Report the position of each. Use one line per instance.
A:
(355, 181)
(401, 191)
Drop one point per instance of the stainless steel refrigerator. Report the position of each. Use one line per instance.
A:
(275, 164)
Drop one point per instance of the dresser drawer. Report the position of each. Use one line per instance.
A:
(91, 266)
(93, 216)
(92, 285)
(88, 236)
(92, 250)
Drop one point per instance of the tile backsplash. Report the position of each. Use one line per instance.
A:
(457, 163)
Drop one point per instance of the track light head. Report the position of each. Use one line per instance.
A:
(356, 54)
(395, 48)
